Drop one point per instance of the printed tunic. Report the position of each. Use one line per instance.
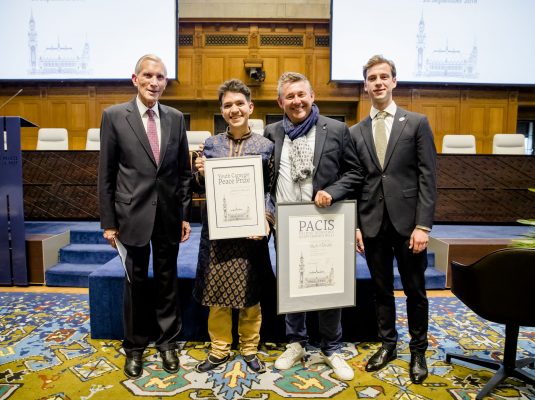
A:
(230, 271)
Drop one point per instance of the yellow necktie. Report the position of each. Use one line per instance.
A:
(380, 136)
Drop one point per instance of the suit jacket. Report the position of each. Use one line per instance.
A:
(131, 184)
(335, 166)
(406, 184)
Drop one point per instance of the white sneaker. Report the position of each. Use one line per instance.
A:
(294, 352)
(340, 367)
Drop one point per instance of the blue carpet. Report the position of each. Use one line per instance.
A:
(439, 231)
(478, 231)
(88, 251)
(55, 227)
(87, 236)
(70, 275)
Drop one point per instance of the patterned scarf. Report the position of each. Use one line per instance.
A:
(301, 155)
(295, 131)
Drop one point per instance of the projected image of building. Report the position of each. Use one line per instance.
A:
(55, 59)
(445, 61)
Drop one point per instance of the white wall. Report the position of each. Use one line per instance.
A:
(293, 9)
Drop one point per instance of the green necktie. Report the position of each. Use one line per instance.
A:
(380, 136)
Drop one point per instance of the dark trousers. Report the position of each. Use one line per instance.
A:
(330, 329)
(380, 253)
(138, 312)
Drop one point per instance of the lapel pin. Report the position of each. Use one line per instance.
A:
(402, 119)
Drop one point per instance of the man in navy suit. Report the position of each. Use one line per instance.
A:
(396, 204)
(313, 161)
(144, 191)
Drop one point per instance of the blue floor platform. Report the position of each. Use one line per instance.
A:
(88, 251)
(88, 261)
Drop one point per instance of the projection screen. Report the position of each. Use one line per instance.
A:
(436, 41)
(85, 39)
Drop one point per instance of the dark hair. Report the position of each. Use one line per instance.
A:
(378, 59)
(235, 86)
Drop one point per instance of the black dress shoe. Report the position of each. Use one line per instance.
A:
(210, 363)
(418, 368)
(381, 358)
(133, 366)
(170, 361)
(255, 363)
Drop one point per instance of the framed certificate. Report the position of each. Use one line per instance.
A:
(315, 256)
(235, 197)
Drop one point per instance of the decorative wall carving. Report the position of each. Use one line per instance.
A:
(322, 41)
(226, 40)
(185, 40)
(281, 40)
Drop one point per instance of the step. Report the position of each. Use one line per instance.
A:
(98, 252)
(434, 279)
(87, 253)
(69, 275)
(87, 236)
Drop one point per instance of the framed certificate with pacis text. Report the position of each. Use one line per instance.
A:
(315, 256)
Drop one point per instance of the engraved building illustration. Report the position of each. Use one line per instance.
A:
(446, 61)
(235, 214)
(55, 59)
(314, 278)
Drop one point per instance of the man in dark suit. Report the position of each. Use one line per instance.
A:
(144, 190)
(313, 161)
(396, 204)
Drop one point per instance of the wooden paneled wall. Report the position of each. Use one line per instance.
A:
(478, 111)
(213, 51)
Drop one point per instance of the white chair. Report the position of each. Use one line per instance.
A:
(256, 125)
(52, 139)
(93, 139)
(459, 144)
(196, 138)
(508, 143)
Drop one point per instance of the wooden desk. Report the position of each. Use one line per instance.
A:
(488, 189)
(60, 185)
(463, 250)
(42, 252)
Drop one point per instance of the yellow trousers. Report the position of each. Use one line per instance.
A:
(220, 330)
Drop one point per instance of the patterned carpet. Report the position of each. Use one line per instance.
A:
(46, 353)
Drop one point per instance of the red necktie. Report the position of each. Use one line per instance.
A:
(152, 134)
